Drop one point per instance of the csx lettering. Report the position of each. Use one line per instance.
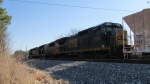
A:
(73, 43)
(121, 38)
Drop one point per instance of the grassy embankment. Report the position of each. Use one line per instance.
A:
(13, 71)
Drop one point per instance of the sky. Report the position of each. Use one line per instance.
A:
(38, 22)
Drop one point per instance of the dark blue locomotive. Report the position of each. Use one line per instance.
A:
(101, 41)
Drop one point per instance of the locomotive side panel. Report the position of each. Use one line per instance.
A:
(51, 48)
(41, 50)
(83, 39)
(34, 52)
(56, 48)
(46, 48)
(62, 45)
(97, 39)
(72, 44)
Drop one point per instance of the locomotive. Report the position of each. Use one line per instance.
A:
(104, 41)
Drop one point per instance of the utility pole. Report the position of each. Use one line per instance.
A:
(147, 3)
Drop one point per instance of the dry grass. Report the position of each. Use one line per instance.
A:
(16, 72)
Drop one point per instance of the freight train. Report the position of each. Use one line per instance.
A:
(104, 41)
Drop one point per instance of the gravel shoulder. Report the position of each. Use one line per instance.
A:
(81, 72)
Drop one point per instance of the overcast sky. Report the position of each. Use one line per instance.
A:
(37, 22)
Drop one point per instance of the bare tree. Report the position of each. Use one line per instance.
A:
(20, 55)
(72, 32)
(60, 36)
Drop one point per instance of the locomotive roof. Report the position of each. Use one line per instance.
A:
(34, 48)
(83, 31)
(107, 24)
(61, 39)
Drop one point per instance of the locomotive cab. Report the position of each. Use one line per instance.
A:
(114, 33)
(119, 37)
(121, 40)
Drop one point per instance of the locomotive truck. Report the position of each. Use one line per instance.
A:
(104, 41)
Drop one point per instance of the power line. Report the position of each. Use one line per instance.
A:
(71, 6)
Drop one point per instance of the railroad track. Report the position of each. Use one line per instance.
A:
(133, 61)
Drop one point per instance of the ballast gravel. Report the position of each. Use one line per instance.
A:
(82, 72)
